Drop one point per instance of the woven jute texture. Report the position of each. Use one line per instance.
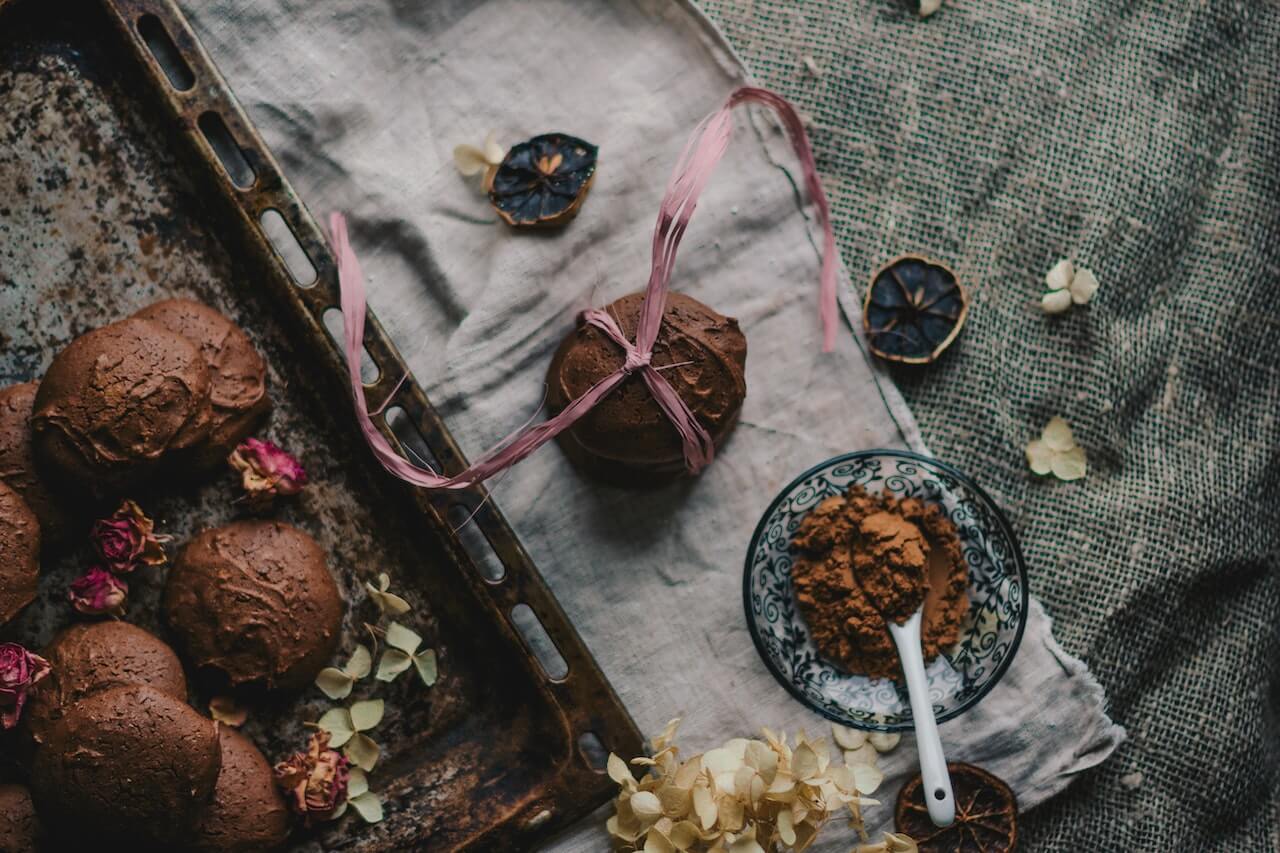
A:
(1143, 140)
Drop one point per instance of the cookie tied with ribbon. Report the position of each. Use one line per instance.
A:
(648, 386)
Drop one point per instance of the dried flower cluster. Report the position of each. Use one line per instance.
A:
(1056, 452)
(123, 542)
(483, 161)
(748, 796)
(19, 672)
(346, 728)
(1068, 285)
(266, 471)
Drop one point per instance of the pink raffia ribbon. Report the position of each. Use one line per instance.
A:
(697, 161)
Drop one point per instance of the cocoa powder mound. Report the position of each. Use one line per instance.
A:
(864, 559)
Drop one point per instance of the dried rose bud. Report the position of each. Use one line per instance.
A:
(127, 540)
(98, 593)
(19, 671)
(315, 782)
(266, 470)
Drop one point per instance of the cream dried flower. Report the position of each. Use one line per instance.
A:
(402, 653)
(747, 796)
(347, 727)
(1067, 286)
(483, 161)
(337, 683)
(362, 801)
(388, 603)
(928, 7)
(1056, 452)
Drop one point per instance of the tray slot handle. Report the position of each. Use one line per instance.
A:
(288, 249)
(593, 751)
(166, 53)
(465, 524)
(539, 642)
(228, 151)
(334, 325)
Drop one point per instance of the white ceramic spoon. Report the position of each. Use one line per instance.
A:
(933, 764)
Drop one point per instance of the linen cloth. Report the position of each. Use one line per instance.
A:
(1142, 138)
(362, 103)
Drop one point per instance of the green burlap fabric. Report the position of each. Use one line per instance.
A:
(1142, 138)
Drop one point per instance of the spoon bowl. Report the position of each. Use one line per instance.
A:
(958, 678)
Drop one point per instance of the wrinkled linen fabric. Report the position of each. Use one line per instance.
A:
(362, 104)
(1143, 139)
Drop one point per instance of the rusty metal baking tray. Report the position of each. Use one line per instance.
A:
(128, 173)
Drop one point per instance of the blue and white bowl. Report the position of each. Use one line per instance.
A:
(989, 636)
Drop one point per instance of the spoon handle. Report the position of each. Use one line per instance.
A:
(933, 764)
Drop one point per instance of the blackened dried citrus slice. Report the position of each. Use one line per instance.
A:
(543, 181)
(914, 309)
(986, 814)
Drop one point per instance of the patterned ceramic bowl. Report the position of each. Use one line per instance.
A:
(989, 636)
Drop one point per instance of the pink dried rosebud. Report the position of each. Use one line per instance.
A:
(99, 592)
(266, 470)
(315, 782)
(19, 671)
(127, 540)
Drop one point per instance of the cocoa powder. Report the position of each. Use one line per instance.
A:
(864, 559)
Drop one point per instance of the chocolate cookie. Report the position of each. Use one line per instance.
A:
(128, 766)
(254, 601)
(90, 656)
(627, 438)
(117, 404)
(19, 827)
(237, 373)
(19, 554)
(18, 465)
(247, 813)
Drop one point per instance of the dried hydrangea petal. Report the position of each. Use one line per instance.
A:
(1039, 457)
(884, 741)
(1070, 464)
(867, 778)
(619, 773)
(361, 662)
(400, 637)
(1083, 286)
(388, 602)
(368, 806)
(847, 738)
(337, 722)
(425, 663)
(704, 805)
(367, 714)
(393, 663)
(1057, 435)
(1055, 301)
(362, 751)
(865, 754)
(469, 160)
(645, 805)
(335, 683)
(1059, 278)
(357, 782)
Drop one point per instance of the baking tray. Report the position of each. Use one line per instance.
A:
(129, 173)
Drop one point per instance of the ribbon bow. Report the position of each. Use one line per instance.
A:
(697, 161)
